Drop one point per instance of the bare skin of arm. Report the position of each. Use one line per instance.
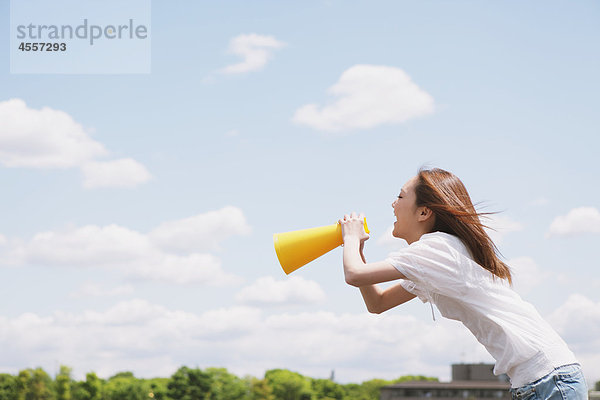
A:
(359, 273)
(379, 300)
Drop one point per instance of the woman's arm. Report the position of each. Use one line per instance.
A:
(359, 273)
(378, 300)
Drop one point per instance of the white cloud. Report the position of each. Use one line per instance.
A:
(292, 290)
(526, 274)
(192, 268)
(200, 232)
(255, 50)
(88, 245)
(124, 172)
(133, 334)
(579, 220)
(125, 336)
(45, 138)
(578, 322)
(94, 290)
(368, 96)
(49, 138)
(137, 255)
(500, 226)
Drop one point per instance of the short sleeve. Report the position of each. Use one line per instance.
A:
(432, 265)
(413, 288)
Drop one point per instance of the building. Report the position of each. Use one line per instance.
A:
(469, 381)
(476, 372)
(594, 395)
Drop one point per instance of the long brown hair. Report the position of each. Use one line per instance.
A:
(443, 193)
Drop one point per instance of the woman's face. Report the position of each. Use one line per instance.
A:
(405, 210)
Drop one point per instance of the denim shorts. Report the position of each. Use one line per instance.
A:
(566, 382)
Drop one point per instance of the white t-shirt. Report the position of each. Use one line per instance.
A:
(439, 269)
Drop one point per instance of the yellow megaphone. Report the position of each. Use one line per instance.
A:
(297, 248)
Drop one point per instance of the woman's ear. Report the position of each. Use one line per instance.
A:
(424, 213)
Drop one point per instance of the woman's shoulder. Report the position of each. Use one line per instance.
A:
(440, 237)
(443, 240)
(437, 247)
(459, 252)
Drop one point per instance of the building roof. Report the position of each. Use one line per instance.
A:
(450, 385)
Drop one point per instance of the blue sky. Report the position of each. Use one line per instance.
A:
(156, 250)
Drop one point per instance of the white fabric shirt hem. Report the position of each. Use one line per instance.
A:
(540, 365)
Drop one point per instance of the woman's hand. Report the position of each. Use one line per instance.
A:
(353, 226)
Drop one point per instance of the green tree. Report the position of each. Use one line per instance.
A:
(225, 386)
(288, 385)
(39, 386)
(93, 386)
(122, 374)
(158, 389)
(354, 391)
(259, 389)
(371, 388)
(413, 378)
(22, 384)
(189, 384)
(124, 386)
(326, 389)
(177, 386)
(78, 392)
(8, 387)
(62, 383)
(90, 389)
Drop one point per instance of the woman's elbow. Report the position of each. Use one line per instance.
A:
(352, 279)
(374, 310)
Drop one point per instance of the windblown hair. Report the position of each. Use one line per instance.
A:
(443, 193)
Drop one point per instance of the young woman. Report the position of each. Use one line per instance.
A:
(452, 262)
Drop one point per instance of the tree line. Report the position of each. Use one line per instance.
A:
(187, 384)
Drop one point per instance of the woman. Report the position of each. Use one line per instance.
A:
(452, 262)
